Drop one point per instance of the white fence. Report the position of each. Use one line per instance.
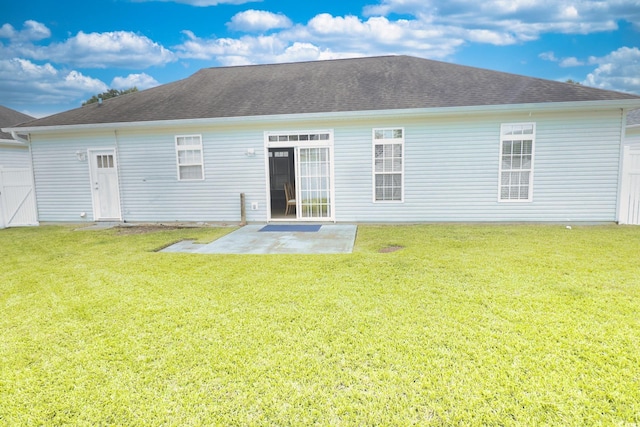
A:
(630, 189)
(17, 198)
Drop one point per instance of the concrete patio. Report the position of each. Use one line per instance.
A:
(277, 239)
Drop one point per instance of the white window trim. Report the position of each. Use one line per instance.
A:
(185, 148)
(531, 170)
(392, 141)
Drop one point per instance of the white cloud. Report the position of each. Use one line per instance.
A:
(619, 70)
(121, 49)
(24, 82)
(570, 12)
(141, 81)
(32, 31)
(429, 28)
(379, 35)
(571, 62)
(258, 20)
(198, 48)
(251, 50)
(309, 52)
(548, 56)
(326, 36)
(7, 31)
(512, 21)
(497, 38)
(325, 24)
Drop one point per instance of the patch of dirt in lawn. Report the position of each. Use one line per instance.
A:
(392, 248)
(149, 228)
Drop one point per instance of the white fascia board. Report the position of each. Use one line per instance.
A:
(342, 115)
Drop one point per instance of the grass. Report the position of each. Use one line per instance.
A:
(465, 325)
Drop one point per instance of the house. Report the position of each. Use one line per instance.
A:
(17, 202)
(379, 139)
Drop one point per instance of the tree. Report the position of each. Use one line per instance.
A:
(111, 93)
(573, 82)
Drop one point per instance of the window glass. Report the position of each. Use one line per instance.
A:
(516, 161)
(388, 164)
(189, 158)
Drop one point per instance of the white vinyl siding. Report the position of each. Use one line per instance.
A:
(189, 158)
(450, 170)
(388, 165)
(62, 179)
(516, 161)
(14, 157)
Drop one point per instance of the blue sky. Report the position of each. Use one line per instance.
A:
(56, 54)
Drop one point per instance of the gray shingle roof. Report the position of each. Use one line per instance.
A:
(377, 83)
(8, 118)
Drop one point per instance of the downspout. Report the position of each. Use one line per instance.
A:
(121, 200)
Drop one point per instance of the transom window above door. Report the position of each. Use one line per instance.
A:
(322, 136)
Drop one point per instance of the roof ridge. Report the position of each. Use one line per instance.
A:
(311, 61)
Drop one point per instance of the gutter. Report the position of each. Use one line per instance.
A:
(21, 141)
(341, 115)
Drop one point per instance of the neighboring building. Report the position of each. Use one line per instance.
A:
(384, 139)
(17, 202)
(13, 153)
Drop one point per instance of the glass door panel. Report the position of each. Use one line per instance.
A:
(314, 178)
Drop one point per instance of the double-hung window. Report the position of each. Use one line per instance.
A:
(516, 162)
(189, 157)
(388, 165)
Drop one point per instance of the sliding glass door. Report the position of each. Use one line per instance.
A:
(311, 179)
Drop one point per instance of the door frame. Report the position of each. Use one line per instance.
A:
(277, 190)
(289, 139)
(91, 153)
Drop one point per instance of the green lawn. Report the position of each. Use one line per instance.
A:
(466, 325)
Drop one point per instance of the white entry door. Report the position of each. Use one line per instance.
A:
(104, 185)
